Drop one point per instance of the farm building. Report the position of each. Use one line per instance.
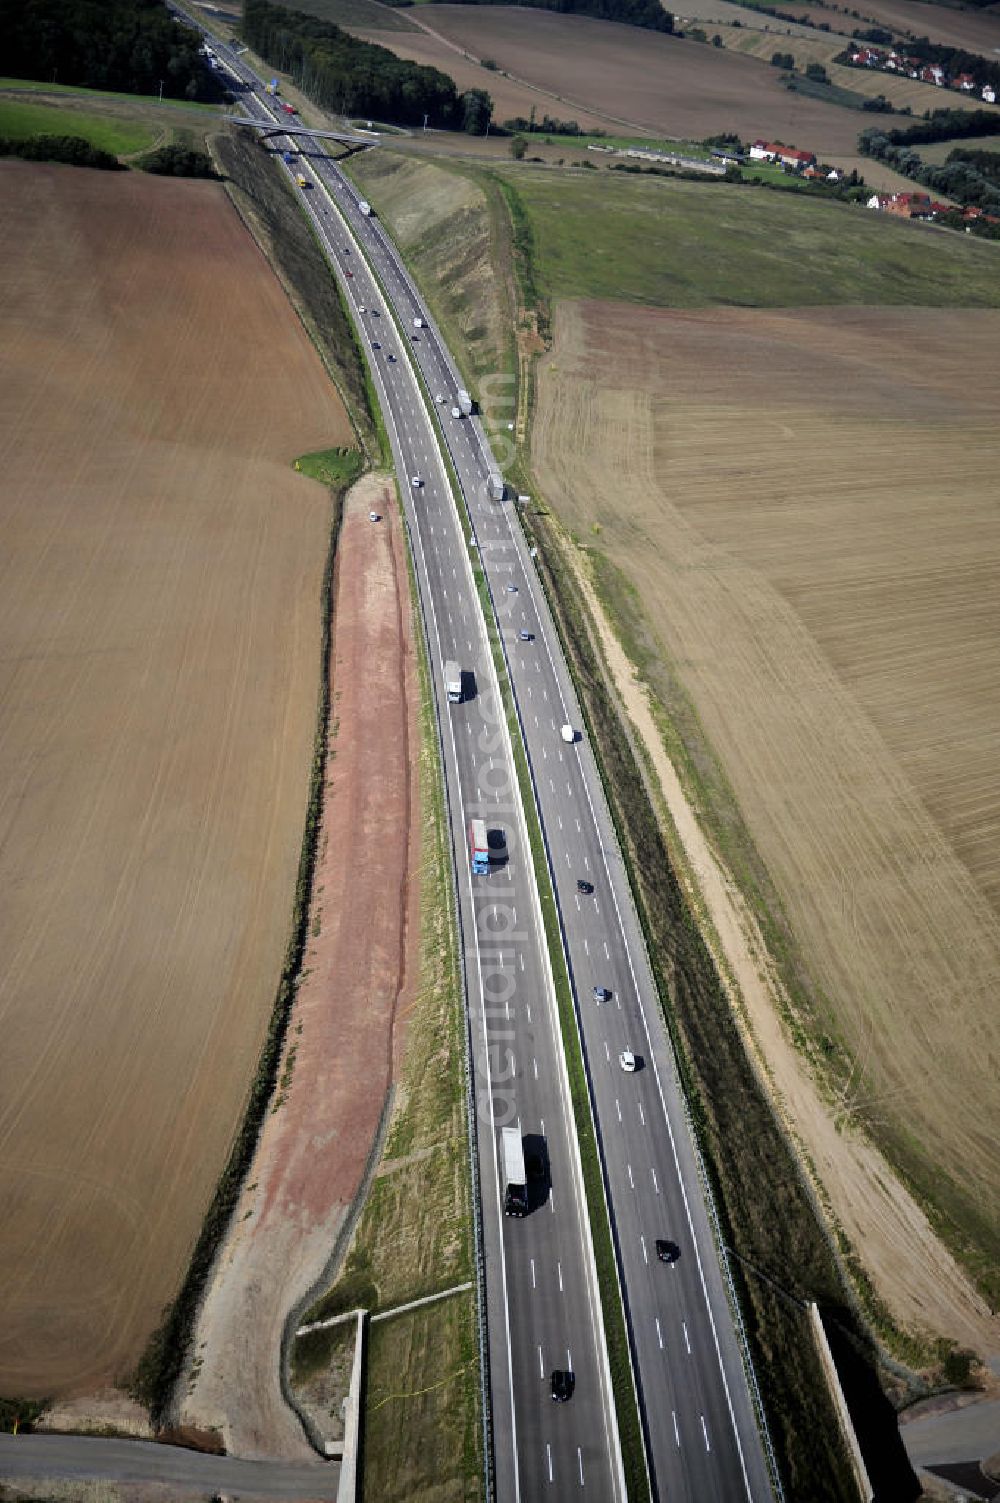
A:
(771, 151)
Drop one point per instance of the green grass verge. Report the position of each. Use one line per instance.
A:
(337, 467)
(121, 137)
(161, 1363)
(420, 1438)
(77, 91)
(278, 225)
(679, 244)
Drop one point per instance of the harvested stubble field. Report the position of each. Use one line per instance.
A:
(803, 501)
(643, 79)
(160, 614)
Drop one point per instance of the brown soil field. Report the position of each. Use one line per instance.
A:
(160, 615)
(804, 502)
(511, 96)
(976, 30)
(343, 1041)
(637, 78)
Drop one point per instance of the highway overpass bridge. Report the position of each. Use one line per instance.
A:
(291, 127)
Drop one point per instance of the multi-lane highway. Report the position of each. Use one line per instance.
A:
(699, 1423)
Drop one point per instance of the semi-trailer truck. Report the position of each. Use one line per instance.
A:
(453, 682)
(464, 404)
(479, 850)
(515, 1180)
(494, 486)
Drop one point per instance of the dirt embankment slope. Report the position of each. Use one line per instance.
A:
(160, 619)
(344, 1036)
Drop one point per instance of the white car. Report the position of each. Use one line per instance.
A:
(416, 482)
(362, 308)
(373, 516)
(568, 734)
(627, 1061)
(439, 399)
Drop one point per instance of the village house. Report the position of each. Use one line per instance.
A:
(935, 74)
(769, 151)
(965, 82)
(904, 205)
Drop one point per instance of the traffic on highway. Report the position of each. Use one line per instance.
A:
(552, 1414)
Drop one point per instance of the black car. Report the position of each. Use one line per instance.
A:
(582, 886)
(601, 994)
(667, 1252)
(562, 1386)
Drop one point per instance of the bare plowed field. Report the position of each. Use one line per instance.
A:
(805, 501)
(160, 619)
(654, 82)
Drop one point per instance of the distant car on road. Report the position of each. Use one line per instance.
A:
(627, 1061)
(667, 1252)
(439, 399)
(511, 588)
(375, 313)
(601, 994)
(585, 887)
(348, 273)
(563, 1384)
(391, 358)
(376, 345)
(373, 516)
(526, 636)
(362, 308)
(416, 482)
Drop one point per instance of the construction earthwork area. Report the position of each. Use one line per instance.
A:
(804, 503)
(358, 981)
(160, 610)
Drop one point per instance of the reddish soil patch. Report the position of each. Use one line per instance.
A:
(361, 962)
(159, 611)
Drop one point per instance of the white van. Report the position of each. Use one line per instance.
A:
(568, 734)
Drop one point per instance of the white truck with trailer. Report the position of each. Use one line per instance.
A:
(464, 403)
(515, 1179)
(495, 486)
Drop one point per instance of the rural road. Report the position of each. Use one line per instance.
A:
(138, 1461)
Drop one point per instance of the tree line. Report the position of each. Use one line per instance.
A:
(939, 125)
(132, 46)
(646, 13)
(351, 77)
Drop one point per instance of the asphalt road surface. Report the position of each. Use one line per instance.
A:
(79, 1457)
(700, 1427)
